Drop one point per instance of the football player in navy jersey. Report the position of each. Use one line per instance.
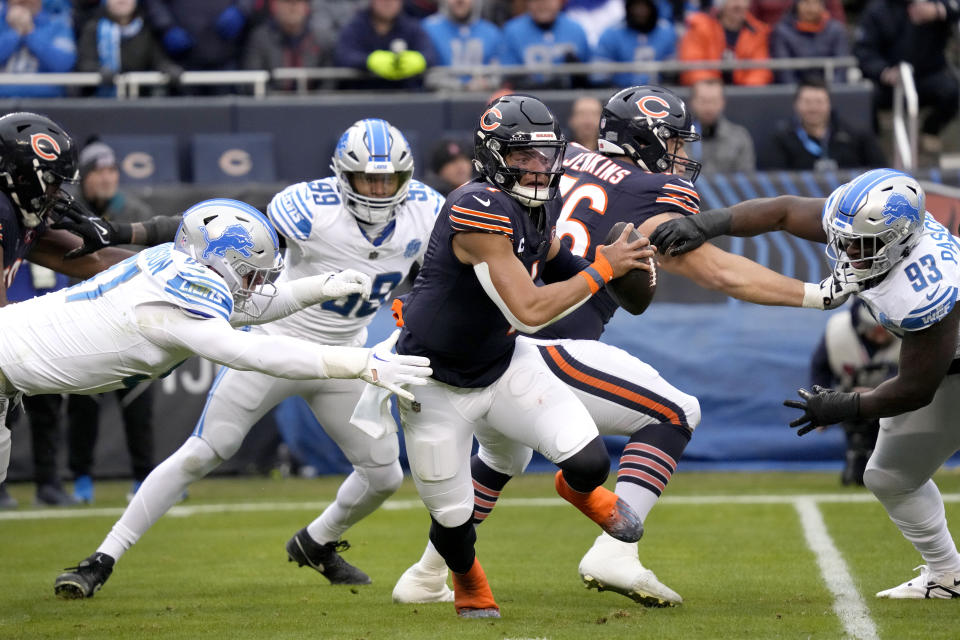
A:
(906, 266)
(641, 175)
(476, 289)
(36, 157)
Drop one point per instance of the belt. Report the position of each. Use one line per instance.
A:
(954, 367)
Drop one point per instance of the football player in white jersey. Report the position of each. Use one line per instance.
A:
(371, 217)
(145, 315)
(907, 266)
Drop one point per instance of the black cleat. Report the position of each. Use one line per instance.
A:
(85, 579)
(302, 549)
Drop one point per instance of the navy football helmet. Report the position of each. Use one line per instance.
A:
(518, 147)
(36, 157)
(639, 121)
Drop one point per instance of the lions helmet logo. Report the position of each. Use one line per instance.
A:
(233, 237)
(45, 146)
(896, 207)
(648, 106)
(492, 111)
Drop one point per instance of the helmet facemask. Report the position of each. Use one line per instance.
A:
(529, 171)
(649, 146)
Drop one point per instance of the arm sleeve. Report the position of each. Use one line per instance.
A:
(160, 229)
(292, 296)
(820, 366)
(280, 356)
(563, 266)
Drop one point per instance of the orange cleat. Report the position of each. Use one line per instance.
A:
(472, 595)
(605, 508)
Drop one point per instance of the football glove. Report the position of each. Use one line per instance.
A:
(683, 235)
(390, 370)
(822, 407)
(96, 232)
(340, 284)
(830, 293)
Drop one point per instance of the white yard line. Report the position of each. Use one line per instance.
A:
(55, 513)
(848, 604)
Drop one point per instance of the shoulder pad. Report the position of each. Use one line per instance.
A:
(186, 283)
(424, 197)
(478, 208)
(296, 210)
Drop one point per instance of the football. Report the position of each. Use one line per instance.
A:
(634, 290)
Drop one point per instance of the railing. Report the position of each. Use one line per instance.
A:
(129, 85)
(905, 116)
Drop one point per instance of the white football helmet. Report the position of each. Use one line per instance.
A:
(378, 150)
(240, 244)
(872, 223)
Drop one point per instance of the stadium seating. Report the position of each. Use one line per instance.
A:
(223, 158)
(146, 159)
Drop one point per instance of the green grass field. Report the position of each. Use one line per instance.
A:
(746, 551)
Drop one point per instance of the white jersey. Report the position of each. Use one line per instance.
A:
(922, 288)
(322, 235)
(55, 344)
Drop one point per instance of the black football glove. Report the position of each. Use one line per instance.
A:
(682, 235)
(822, 407)
(96, 232)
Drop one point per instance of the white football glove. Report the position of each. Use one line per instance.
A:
(390, 370)
(830, 293)
(344, 283)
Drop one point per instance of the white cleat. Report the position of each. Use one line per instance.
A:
(418, 585)
(611, 565)
(926, 585)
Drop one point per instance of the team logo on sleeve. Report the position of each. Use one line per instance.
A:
(413, 248)
(490, 124)
(45, 146)
(896, 207)
(233, 237)
(653, 106)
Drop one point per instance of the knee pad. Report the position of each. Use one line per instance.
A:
(455, 544)
(588, 468)
(882, 482)
(383, 480)
(196, 457)
(510, 459)
(454, 515)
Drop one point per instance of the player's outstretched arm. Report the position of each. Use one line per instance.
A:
(528, 307)
(97, 233)
(925, 358)
(294, 295)
(795, 215)
(53, 249)
(280, 356)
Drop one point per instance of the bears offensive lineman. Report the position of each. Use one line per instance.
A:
(880, 237)
(493, 236)
(372, 217)
(641, 175)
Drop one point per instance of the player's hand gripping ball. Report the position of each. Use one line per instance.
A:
(634, 290)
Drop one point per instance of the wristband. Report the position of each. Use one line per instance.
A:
(598, 273)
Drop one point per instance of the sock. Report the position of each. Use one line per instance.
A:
(921, 518)
(647, 463)
(364, 490)
(487, 485)
(160, 491)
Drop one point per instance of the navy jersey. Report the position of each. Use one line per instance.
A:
(599, 192)
(16, 239)
(448, 317)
